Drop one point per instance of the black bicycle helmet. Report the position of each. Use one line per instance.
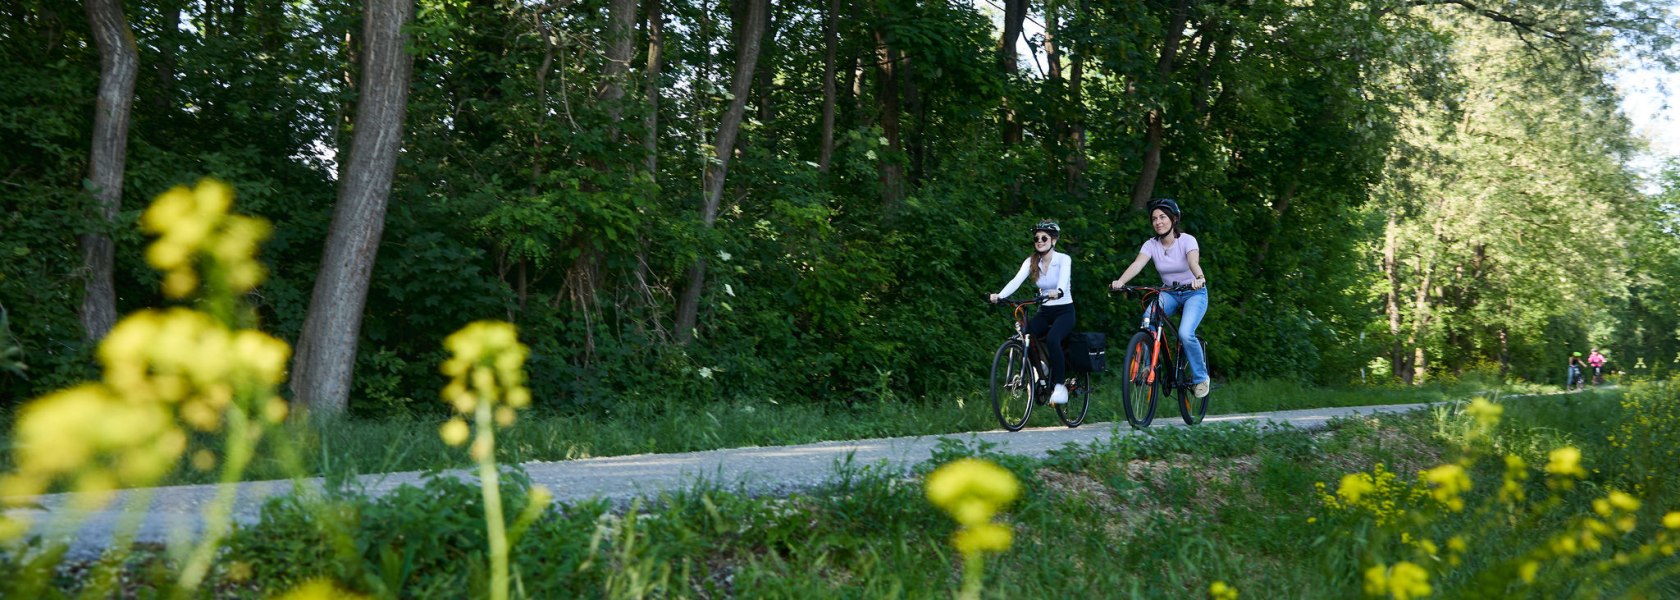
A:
(1050, 226)
(1166, 204)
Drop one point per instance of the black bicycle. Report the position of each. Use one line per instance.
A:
(1019, 383)
(1156, 364)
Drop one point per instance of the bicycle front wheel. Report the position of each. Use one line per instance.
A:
(1079, 399)
(1012, 383)
(1191, 408)
(1137, 392)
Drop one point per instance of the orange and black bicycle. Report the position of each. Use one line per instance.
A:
(1157, 365)
(1021, 377)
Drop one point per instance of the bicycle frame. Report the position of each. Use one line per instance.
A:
(1154, 319)
(1020, 315)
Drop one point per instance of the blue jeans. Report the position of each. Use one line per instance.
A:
(1195, 303)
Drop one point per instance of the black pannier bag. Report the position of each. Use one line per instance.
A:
(1087, 351)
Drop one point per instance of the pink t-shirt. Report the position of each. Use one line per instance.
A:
(1173, 263)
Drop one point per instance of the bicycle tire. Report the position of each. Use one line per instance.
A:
(1137, 395)
(1191, 408)
(1079, 399)
(1012, 383)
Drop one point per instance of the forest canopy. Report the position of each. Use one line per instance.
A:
(808, 200)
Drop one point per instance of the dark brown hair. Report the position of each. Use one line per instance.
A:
(1175, 230)
(1037, 258)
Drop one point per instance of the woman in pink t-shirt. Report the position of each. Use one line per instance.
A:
(1177, 257)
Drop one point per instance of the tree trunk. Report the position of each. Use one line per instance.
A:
(326, 350)
(1077, 161)
(1014, 18)
(163, 102)
(891, 173)
(766, 81)
(1145, 187)
(831, 41)
(621, 19)
(1420, 320)
(650, 124)
(1391, 270)
(119, 66)
(746, 59)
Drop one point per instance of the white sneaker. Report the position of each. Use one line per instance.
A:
(1059, 396)
(1202, 389)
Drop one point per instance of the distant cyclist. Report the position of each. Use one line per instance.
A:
(1577, 368)
(1596, 361)
(1178, 259)
(1052, 273)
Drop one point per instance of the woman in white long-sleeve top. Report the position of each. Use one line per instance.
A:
(1052, 272)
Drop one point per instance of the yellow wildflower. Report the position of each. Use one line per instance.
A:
(985, 537)
(1671, 520)
(1486, 413)
(1565, 462)
(1402, 581)
(1528, 570)
(1222, 591)
(1354, 486)
(455, 432)
(319, 589)
(1448, 483)
(972, 490)
(486, 357)
(1623, 501)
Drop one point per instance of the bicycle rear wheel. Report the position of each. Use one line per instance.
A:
(1191, 408)
(1012, 383)
(1137, 392)
(1079, 399)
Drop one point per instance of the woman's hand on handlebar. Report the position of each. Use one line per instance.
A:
(992, 298)
(1117, 286)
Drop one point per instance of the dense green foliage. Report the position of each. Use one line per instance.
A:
(1298, 136)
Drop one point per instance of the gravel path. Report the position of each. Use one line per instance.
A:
(175, 513)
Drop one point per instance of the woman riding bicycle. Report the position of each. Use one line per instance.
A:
(1178, 258)
(1577, 372)
(1052, 272)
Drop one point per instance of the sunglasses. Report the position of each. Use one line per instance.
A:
(1041, 238)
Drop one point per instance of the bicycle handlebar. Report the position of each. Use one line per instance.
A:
(1035, 300)
(1177, 287)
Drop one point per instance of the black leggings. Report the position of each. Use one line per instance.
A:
(1050, 327)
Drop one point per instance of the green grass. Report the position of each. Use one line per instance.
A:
(351, 446)
(1160, 515)
(408, 443)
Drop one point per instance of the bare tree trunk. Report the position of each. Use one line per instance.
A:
(1014, 18)
(766, 81)
(621, 20)
(891, 173)
(119, 66)
(746, 59)
(163, 101)
(1156, 127)
(831, 41)
(343, 119)
(1077, 161)
(1420, 320)
(326, 351)
(1391, 270)
(655, 64)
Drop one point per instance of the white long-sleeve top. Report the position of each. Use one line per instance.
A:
(1057, 276)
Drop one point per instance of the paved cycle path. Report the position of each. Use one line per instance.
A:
(176, 513)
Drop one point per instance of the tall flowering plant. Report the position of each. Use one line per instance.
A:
(166, 373)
